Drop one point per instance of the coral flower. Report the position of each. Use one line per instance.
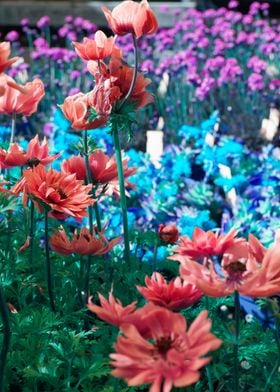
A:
(112, 311)
(241, 270)
(121, 75)
(103, 96)
(132, 17)
(76, 109)
(21, 99)
(175, 295)
(61, 192)
(168, 233)
(5, 50)
(82, 243)
(97, 49)
(35, 154)
(75, 165)
(170, 356)
(206, 244)
(103, 169)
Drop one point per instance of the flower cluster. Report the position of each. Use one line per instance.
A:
(155, 346)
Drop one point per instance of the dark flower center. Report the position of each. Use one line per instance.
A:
(236, 267)
(61, 193)
(163, 345)
(32, 162)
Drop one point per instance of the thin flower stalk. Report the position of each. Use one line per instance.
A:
(134, 73)
(89, 181)
(115, 132)
(31, 234)
(13, 128)
(277, 364)
(236, 340)
(48, 264)
(6, 338)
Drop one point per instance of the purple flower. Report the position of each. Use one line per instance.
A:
(68, 19)
(269, 48)
(256, 64)
(233, 4)
(40, 43)
(88, 26)
(43, 22)
(78, 22)
(255, 82)
(75, 74)
(63, 31)
(254, 8)
(73, 91)
(229, 71)
(247, 19)
(72, 36)
(147, 66)
(202, 91)
(215, 63)
(48, 129)
(241, 37)
(275, 85)
(12, 36)
(24, 22)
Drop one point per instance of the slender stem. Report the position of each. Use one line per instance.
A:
(134, 77)
(97, 216)
(122, 191)
(48, 264)
(236, 342)
(209, 378)
(31, 235)
(208, 367)
(13, 130)
(87, 278)
(154, 265)
(277, 364)
(89, 180)
(90, 217)
(6, 338)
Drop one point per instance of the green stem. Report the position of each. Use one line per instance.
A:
(134, 77)
(154, 265)
(208, 367)
(31, 235)
(97, 216)
(277, 364)
(236, 342)
(209, 378)
(13, 130)
(87, 278)
(90, 218)
(6, 338)
(48, 264)
(88, 181)
(122, 191)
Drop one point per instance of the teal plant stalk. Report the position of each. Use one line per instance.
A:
(122, 191)
(48, 264)
(236, 341)
(31, 234)
(89, 181)
(116, 138)
(90, 217)
(154, 262)
(277, 364)
(13, 128)
(208, 367)
(6, 338)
